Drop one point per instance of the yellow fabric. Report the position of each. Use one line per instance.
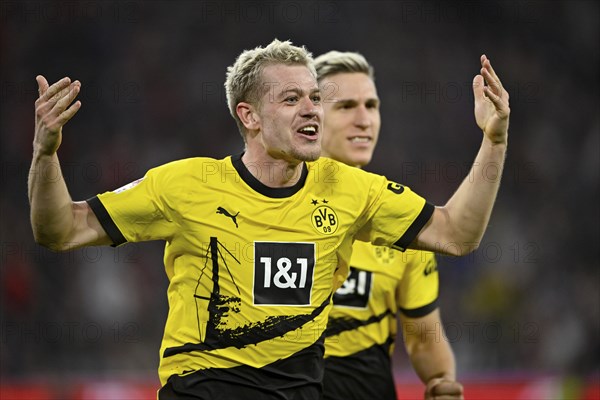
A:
(275, 267)
(391, 280)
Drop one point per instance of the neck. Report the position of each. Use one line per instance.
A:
(273, 172)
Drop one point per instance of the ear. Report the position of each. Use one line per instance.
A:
(246, 113)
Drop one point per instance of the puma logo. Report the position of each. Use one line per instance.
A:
(221, 210)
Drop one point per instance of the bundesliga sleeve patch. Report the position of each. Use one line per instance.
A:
(128, 186)
(283, 273)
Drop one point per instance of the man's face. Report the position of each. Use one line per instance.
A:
(352, 120)
(290, 113)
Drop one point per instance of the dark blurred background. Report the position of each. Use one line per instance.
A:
(525, 306)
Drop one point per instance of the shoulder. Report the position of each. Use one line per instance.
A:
(188, 164)
(421, 262)
(332, 171)
(179, 176)
(187, 167)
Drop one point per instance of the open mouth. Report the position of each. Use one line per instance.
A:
(309, 130)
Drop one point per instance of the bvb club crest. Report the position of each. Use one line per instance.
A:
(384, 255)
(323, 218)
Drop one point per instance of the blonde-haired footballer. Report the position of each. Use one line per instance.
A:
(359, 340)
(256, 243)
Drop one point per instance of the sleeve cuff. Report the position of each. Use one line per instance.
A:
(414, 229)
(106, 221)
(421, 311)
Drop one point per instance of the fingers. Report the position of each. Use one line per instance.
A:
(494, 91)
(443, 389)
(54, 123)
(42, 84)
(497, 100)
(58, 96)
(52, 108)
(66, 96)
(64, 117)
(54, 89)
(491, 81)
(49, 94)
(478, 87)
(447, 388)
(487, 64)
(490, 76)
(65, 114)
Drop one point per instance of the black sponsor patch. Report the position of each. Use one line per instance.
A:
(283, 273)
(356, 289)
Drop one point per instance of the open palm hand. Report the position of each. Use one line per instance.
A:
(491, 103)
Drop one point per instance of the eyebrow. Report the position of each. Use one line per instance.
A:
(298, 91)
(353, 102)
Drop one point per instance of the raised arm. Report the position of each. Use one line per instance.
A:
(57, 222)
(458, 227)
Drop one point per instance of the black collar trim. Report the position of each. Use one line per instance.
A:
(263, 189)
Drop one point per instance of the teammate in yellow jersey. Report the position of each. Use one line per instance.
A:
(363, 322)
(257, 242)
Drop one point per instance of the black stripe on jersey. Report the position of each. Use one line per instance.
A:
(335, 326)
(106, 221)
(414, 229)
(298, 376)
(421, 311)
(263, 189)
(268, 329)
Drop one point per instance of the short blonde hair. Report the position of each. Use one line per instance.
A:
(244, 77)
(337, 62)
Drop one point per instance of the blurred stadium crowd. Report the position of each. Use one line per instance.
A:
(526, 303)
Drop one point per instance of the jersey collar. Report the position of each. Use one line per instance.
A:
(263, 189)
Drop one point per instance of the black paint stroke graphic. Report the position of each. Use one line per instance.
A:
(220, 306)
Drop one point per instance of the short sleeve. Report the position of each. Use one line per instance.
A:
(397, 217)
(419, 287)
(137, 211)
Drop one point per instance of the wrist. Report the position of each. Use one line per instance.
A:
(40, 151)
(499, 144)
(496, 138)
(441, 377)
(42, 157)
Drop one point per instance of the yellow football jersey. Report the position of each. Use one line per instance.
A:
(362, 324)
(381, 282)
(250, 267)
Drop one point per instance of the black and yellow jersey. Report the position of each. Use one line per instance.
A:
(251, 268)
(363, 321)
(381, 282)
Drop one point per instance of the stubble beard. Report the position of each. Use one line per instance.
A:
(308, 155)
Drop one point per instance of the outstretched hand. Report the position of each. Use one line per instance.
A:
(443, 389)
(53, 109)
(491, 103)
